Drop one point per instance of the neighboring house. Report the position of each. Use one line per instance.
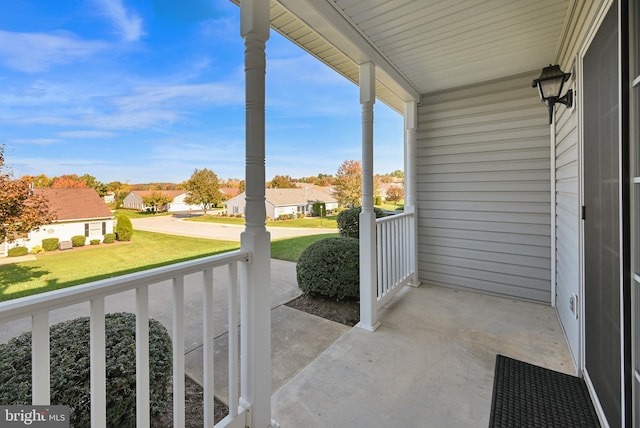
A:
(135, 201)
(77, 212)
(281, 202)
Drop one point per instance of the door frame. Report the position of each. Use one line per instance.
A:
(625, 405)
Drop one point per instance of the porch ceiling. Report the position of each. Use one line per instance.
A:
(424, 46)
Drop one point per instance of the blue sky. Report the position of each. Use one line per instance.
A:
(144, 91)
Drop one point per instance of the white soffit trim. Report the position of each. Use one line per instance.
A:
(332, 25)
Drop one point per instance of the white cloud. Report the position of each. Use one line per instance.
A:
(145, 97)
(36, 52)
(126, 23)
(36, 141)
(87, 134)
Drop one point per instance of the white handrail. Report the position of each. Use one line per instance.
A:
(26, 306)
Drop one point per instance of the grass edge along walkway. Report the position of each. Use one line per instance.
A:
(52, 271)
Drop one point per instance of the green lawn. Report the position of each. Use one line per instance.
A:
(64, 269)
(52, 271)
(391, 207)
(291, 248)
(305, 222)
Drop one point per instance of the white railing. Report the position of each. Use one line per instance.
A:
(38, 308)
(395, 237)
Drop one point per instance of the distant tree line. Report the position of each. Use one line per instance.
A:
(204, 185)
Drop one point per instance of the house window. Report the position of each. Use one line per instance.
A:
(104, 227)
(86, 229)
(236, 209)
(95, 228)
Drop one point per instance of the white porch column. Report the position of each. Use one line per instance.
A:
(255, 275)
(368, 268)
(410, 181)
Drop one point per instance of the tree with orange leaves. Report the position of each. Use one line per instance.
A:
(20, 210)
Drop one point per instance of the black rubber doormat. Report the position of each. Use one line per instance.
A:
(525, 395)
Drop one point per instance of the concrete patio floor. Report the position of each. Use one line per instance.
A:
(430, 364)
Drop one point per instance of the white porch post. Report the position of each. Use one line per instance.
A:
(255, 275)
(368, 268)
(410, 181)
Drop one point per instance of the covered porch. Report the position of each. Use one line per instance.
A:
(492, 227)
(430, 363)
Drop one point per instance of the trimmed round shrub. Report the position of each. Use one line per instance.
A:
(349, 221)
(78, 240)
(50, 244)
(330, 267)
(37, 250)
(70, 371)
(124, 228)
(94, 242)
(109, 238)
(17, 251)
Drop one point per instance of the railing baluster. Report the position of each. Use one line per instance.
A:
(142, 357)
(98, 363)
(233, 340)
(40, 359)
(207, 345)
(380, 264)
(178, 352)
(394, 252)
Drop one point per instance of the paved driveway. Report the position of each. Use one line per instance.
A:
(229, 232)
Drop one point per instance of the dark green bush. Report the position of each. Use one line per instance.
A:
(78, 240)
(330, 267)
(109, 238)
(50, 244)
(70, 375)
(124, 228)
(349, 221)
(17, 251)
(94, 242)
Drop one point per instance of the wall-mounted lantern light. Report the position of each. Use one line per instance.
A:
(550, 85)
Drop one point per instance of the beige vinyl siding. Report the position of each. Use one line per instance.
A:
(484, 190)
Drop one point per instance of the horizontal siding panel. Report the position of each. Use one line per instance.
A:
(522, 207)
(478, 235)
(483, 190)
(494, 186)
(502, 271)
(485, 147)
(495, 135)
(522, 264)
(470, 177)
(542, 197)
(542, 252)
(503, 285)
(497, 216)
(479, 157)
(477, 128)
(541, 165)
(488, 226)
